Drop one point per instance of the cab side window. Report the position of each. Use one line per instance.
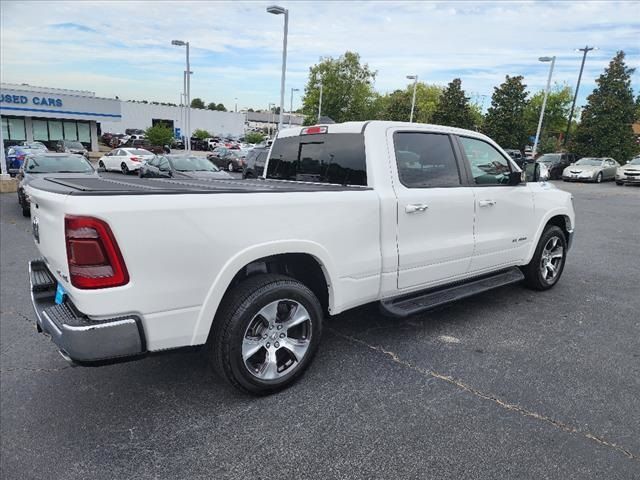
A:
(488, 165)
(425, 160)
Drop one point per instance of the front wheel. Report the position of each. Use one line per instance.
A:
(101, 165)
(599, 178)
(619, 183)
(230, 167)
(546, 266)
(266, 333)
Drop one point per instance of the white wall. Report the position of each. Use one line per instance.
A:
(139, 115)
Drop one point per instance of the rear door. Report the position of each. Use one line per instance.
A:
(504, 230)
(435, 210)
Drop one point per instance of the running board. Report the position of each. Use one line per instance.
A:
(422, 301)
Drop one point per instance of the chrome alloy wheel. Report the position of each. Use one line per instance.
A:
(276, 339)
(551, 259)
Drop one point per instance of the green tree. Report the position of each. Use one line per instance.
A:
(396, 106)
(454, 109)
(221, 108)
(605, 124)
(556, 111)
(347, 89)
(159, 134)
(212, 106)
(427, 100)
(250, 110)
(197, 103)
(504, 121)
(637, 118)
(253, 137)
(201, 134)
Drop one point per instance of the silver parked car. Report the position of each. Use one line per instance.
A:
(590, 169)
(629, 173)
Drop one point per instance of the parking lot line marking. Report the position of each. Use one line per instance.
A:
(501, 403)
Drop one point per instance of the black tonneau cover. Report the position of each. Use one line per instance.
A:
(94, 186)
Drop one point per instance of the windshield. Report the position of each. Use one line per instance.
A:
(35, 146)
(594, 162)
(192, 164)
(635, 161)
(77, 145)
(58, 164)
(549, 157)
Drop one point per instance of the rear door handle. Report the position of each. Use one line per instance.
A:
(416, 207)
(487, 203)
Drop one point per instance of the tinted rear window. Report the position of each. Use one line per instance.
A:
(337, 158)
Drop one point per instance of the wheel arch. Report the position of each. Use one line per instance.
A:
(559, 218)
(305, 261)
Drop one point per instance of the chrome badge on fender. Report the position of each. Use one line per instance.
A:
(36, 229)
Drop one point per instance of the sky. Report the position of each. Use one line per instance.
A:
(117, 48)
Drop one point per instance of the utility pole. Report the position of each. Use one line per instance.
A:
(320, 102)
(585, 50)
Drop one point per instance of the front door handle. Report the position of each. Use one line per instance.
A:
(487, 203)
(416, 207)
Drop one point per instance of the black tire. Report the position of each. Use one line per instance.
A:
(26, 208)
(124, 169)
(230, 167)
(101, 165)
(619, 183)
(533, 270)
(238, 310)
(599, 177)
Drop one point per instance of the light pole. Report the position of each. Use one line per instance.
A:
(413, 101)
(187, 92)
(276, 10)
(544, 102)
(236, 107)
(271, 105)
(586, 50)
(291, 104)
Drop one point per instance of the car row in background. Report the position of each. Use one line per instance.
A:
(181, 166)
(556, 163)
(43, 163)
(16, 155)
(591, 169)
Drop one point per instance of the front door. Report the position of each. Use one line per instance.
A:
(435, 211)
(504, 213)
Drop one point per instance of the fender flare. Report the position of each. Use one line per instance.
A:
(244, 257)
(556, 212)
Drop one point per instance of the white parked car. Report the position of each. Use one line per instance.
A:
(124, 160)
(423, 216)
(629, 173)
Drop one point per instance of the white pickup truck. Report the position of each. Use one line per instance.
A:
(408, 215)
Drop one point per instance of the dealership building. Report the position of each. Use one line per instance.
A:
(47, 115)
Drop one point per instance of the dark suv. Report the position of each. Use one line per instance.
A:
(255, 162)
(517, 156)
(556, 163)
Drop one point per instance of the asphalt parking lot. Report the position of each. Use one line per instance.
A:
(513, 384)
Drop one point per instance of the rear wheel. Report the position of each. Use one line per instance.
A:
(124, 169)
(230, 167)
(266, 333)
(546, 266)
(619, 183)
(101, 165)
(599, 178)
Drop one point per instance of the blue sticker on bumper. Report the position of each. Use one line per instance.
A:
(60, 293)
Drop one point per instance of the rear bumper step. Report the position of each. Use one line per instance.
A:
(79, 338)
(422, 301)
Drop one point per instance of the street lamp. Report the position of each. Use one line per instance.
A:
(236, 107)
(187, 92)
(413, 101)
(291, 105)
(586, 50)
(276, 10)
(271, 106)
(544, 102)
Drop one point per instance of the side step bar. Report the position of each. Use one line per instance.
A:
(421, 301)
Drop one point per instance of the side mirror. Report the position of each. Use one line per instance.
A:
(515, 178)
(540, 173)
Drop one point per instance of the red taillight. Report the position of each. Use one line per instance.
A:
(93, 255)
(314, 130)
(21, 157)
(136, 159)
